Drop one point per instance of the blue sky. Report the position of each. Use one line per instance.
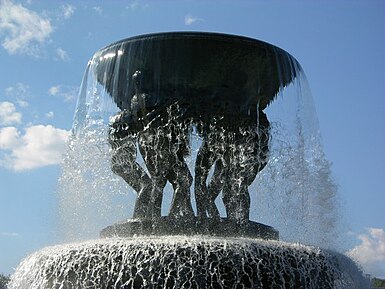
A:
(45, 46)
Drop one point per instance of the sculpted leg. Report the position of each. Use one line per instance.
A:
(180, 177)
(204, 162)
(123, 163)
(155, 167)
(248, 158)
(216, 185)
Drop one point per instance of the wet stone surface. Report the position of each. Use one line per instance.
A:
(184, 262)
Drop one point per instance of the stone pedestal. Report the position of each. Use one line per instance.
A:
(169, 226)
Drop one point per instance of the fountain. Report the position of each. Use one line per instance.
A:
(152, 110)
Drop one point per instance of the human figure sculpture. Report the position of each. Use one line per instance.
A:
(163, 147)
(122, 138)
(211, 150)
(239, 151)
(163, 141)
(248, 156)
(124, 132)
(163, 144)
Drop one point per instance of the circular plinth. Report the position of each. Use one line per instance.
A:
(186, 262)
(170, 226)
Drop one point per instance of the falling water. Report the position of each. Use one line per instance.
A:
(294, 193)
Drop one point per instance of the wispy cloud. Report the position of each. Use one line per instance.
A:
(40, 145)
(22, 103)
(136, 4)
(67, 11)
(24, 30)
(49, 114)
(62, 54)
(98, 9)
(67, 93)
(19, 93)
(9, 234)
(190, 19)
(371, 252)
(8, 114)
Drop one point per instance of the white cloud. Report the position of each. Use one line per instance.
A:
(8, 113)
(68, 10)
(25, 31)
(189, 19)
(41, 145)
(371, 252)
(63, 55)
(54, 90)
(9, 138)
(68, 93)
(10, 234)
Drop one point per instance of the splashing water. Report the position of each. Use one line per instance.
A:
(295, 192)
(181, 262)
